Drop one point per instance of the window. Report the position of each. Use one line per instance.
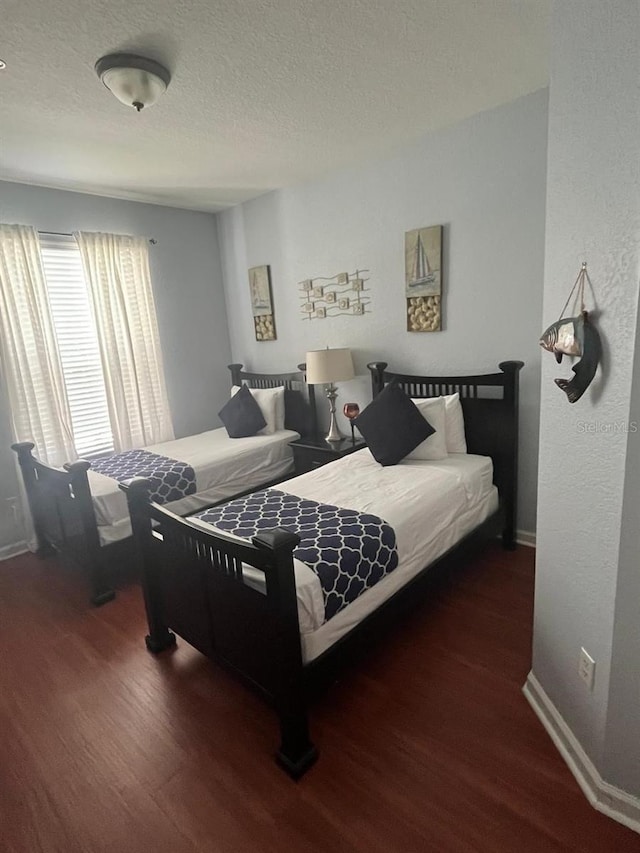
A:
(78, 345)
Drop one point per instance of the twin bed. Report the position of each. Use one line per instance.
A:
(282, 609)
(81, 514)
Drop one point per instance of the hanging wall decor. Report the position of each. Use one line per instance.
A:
(423, 279)
(261, 303)
(331, 296)
(575, 336)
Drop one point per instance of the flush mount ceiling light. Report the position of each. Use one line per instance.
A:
(3, 64)
(134, 80)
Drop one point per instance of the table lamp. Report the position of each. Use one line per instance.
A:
(326, 367)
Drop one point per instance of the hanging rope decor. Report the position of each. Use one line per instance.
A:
(575, 336)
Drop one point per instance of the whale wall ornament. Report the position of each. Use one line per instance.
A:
(575, 336)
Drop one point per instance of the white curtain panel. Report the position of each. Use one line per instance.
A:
(28, 350)
(117, 270)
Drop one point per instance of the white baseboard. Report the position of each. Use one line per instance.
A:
(7, 551)
(606, 798)
(525, 537)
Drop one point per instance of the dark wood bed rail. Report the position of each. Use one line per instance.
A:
(200, 592)
(491, 421)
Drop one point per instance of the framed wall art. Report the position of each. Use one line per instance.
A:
(423, 279)
(261, 303)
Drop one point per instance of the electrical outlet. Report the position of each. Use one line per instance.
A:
(586, 668)
(14, 508)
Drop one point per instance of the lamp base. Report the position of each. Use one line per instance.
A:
(334, 434)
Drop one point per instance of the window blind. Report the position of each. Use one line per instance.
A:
(78, 345)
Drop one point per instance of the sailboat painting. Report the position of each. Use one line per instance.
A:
(260, 290)
(261, 304)
(423, 261)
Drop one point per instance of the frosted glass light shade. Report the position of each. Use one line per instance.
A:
(134, 80)
(325, 366)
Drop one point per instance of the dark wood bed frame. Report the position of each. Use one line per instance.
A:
(62, 509)
(193, 584)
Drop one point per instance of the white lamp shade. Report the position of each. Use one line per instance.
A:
(325, 366)
(135, 80)
(134, 86)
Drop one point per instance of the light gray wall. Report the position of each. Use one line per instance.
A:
(593, 214)
(187, 284)
(484, 179)
(621, 755)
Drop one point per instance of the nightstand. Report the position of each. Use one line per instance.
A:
(310, 453)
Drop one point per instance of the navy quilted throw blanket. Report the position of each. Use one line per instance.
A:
(171, 480)
(349, 551)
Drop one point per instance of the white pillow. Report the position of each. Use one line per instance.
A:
(271, 402)
(280, 410)
(432, 409)
(454, 417)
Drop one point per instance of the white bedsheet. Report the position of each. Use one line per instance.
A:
(430, 505)
(224, 466)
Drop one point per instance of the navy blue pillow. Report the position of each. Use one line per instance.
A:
(392, 425)
(241, 415)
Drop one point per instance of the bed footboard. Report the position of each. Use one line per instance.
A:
(63, 517)
(234, 601)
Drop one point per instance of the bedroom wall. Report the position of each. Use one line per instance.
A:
(587, 558)
(187, 284)
(484, 179)
(621, 753)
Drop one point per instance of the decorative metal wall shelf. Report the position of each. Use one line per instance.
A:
(331, 296)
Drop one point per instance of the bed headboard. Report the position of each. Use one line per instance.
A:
(490, 407)
(295, 382)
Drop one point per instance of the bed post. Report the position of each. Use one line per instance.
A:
(101, 590)
(296, 753)
(377, 369)
(27, 467)
(511, 369)
(138, 491)
(236, 370)
(311, 390)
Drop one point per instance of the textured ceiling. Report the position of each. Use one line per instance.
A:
(265, 93)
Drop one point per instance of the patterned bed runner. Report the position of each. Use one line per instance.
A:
(349, 551)
(171, 480)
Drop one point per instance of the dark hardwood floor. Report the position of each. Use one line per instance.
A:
(428, 745)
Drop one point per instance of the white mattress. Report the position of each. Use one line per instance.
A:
(430, 505)
(224, 467)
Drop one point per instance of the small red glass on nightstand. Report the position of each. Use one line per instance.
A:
(351, 411)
